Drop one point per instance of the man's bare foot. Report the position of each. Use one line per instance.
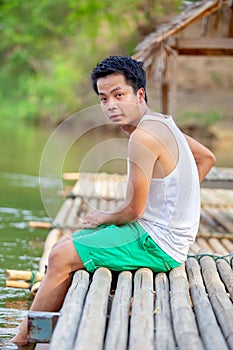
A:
(19, 342)
(20, 339)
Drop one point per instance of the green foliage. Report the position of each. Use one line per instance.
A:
(49, 47)
(207, 118)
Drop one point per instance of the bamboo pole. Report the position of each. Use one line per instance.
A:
(117, 331)
(218, 235)
(34, 288)
(184, 324)
(221, 219)
(164, 331)
(92, 326)
(64, 334)
(40, 224)
(18, 284)
(220, 301)
(71, 176)
(226, 274)
(203, 243)
(227, 244)
(142, 318)
(23, 275)
(217, 247)
(52, 238)
(209, 329)
(49, 226)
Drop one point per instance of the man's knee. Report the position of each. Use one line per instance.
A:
(64, 256)
(55, 256)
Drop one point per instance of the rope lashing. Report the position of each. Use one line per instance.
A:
(215, 257)
(33, 279)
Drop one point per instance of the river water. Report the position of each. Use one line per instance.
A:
(22, 199)
(22, 149)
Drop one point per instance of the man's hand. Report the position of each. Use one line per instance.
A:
(93, 219)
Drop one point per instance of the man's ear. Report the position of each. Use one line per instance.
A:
(141, 94)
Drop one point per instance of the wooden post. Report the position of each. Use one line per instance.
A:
(230, 33)
(41, 325)
(172, 105)
(164, 96)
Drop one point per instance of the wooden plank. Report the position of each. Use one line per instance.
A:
(223, 184)
(211, 334)
(41, 325)
(184, 323)
(117, 332)
(64, 334)
(163, 321)
(220, 173)
(220, 301)
(142, 319)
(203, 46)
(92, 327)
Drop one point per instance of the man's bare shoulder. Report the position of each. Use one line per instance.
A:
(151, 131)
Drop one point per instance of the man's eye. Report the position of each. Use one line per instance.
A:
(103, 99)
(119, 95)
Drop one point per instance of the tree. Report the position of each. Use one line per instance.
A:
(48, 48)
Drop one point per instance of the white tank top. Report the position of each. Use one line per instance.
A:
(172, 211)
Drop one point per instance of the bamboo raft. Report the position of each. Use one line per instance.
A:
(188, 308)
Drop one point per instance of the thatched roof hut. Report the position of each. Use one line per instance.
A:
(165, 42)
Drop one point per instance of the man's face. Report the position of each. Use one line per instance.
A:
(119, 101)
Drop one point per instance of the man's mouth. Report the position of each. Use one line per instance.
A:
(115, 117)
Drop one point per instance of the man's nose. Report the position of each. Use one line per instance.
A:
(111, 103)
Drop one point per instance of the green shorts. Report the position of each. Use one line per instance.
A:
(126, 247)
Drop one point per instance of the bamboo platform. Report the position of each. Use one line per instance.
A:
(188, 308)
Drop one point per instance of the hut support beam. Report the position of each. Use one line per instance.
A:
(203, 46)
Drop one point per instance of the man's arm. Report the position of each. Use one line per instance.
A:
(204, 158)
(142, 161)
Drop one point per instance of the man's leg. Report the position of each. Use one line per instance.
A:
(63, 261)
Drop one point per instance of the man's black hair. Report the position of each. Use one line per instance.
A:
(132, 70)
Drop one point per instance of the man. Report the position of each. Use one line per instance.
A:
(160, 216)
